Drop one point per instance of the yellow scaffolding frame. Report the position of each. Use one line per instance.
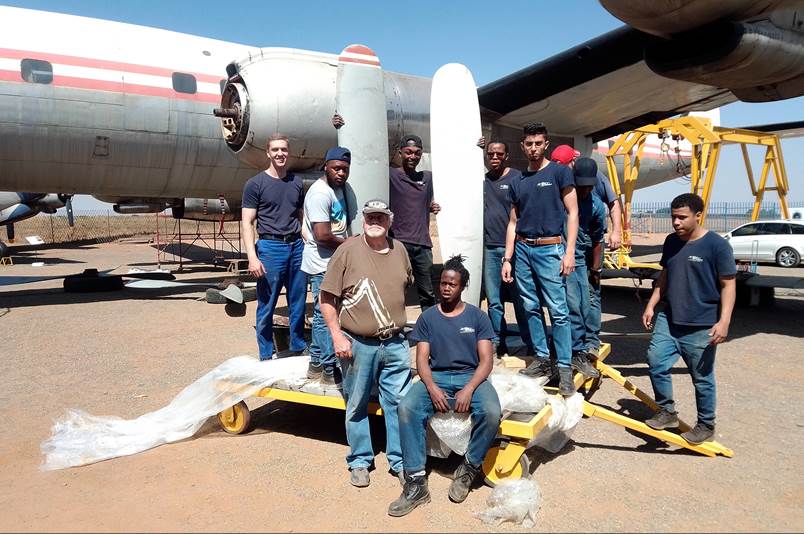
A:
(707, 142)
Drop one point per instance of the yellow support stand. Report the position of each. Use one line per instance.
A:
(707, 143)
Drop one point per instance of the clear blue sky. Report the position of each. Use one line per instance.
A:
(492, 38)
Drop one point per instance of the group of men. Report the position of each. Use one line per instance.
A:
(543, 230)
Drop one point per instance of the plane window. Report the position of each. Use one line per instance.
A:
(223, 85)
(184, 83)
(36, 71)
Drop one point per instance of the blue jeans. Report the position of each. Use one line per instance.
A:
(669, 341)
(321, 351)
(417, 408)
(282, 262)
(593, 315)
(387, 365)
(578, 304)
(496, 293)
(538, 277)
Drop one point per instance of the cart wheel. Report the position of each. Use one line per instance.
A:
(235, 420)
(492, 477)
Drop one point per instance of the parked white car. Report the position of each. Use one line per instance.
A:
(777, 241)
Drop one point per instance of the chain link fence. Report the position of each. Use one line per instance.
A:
(654, 217)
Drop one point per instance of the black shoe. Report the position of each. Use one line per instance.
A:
(580, 362)
(462, 481)
(662, 420)
(331, 376)
(414, 493)
(501, 350)
(314, 371)
(699, 434)
(537, 368)
(565, 384)
(291, 353)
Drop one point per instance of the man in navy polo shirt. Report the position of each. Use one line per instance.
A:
(274, 199)
(496, 210)
(698, 275)
(541, 202)
(453, 358)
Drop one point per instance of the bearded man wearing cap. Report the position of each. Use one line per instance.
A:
(363, 304)
(325, 229)
(274, 200)
(566, 155)
(411, 200)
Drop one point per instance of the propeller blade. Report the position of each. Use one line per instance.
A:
(68, 205)
(10, 231)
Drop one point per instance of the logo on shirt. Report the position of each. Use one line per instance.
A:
(503, 186)
(467, 330)
(544, 184)
(696, 259)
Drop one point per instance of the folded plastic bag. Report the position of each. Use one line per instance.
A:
(516, 501)
(566, 415)
(80, 438)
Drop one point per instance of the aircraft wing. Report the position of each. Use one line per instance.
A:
(598, 89)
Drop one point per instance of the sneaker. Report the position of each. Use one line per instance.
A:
(580, 362)
(538, 367)
(462, 481)
(331, 376)
(699, 434)
(565, 384)
(414, 493)
(359, 477)
(314, 371)
(662, 420)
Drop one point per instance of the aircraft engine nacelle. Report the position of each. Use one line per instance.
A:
(280, 90)
(206, 209)
(757, 61)
(28, 205)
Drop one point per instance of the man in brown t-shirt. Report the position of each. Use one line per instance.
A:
(363, 303)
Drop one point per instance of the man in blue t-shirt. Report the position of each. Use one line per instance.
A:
(540, 203)
(274, 199)
(453, 359)
(591, 220)
(496, 210)
(698, 288)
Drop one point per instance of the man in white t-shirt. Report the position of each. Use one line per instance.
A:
(325, 224)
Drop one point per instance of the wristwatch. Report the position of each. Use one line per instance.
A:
(505, 260)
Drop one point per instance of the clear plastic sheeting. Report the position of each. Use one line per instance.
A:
(567, 413)
(516, 501)
(80, 438)
(518, 393)
(452, 430)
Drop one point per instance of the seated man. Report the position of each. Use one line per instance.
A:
(453, 358)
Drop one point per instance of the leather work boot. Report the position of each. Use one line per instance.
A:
(359, 477)
(662, 420)
(580, 362)
(699, 434)
(331, 376)
(414, 493)
(464, 476)
(565, 384)
(314, 371)
(537, 368)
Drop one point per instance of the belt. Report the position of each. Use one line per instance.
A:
(539, 241)
(288, 238)
(382, 336)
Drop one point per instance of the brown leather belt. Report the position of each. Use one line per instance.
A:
(539, 241)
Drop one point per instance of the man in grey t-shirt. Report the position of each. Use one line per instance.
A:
(325, 224)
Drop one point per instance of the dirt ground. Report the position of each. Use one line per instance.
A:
(129, 352)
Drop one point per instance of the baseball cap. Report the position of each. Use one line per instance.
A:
(585, 172)
(337, 153)
(564, 154)
(409, 140)
(376, 205)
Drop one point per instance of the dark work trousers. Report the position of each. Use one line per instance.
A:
(421, 261)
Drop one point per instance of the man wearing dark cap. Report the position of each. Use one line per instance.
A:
(541, 202)
(566, 155)
(325, 229)
(274, 199)
(411, 200)
(591, 220)
(363, 304)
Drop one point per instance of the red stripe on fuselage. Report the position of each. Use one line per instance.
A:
(358, 61)
(105, 64)
(114, 87)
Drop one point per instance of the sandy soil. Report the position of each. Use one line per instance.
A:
(126, 353)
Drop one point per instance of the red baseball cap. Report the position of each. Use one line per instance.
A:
(564, 154)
